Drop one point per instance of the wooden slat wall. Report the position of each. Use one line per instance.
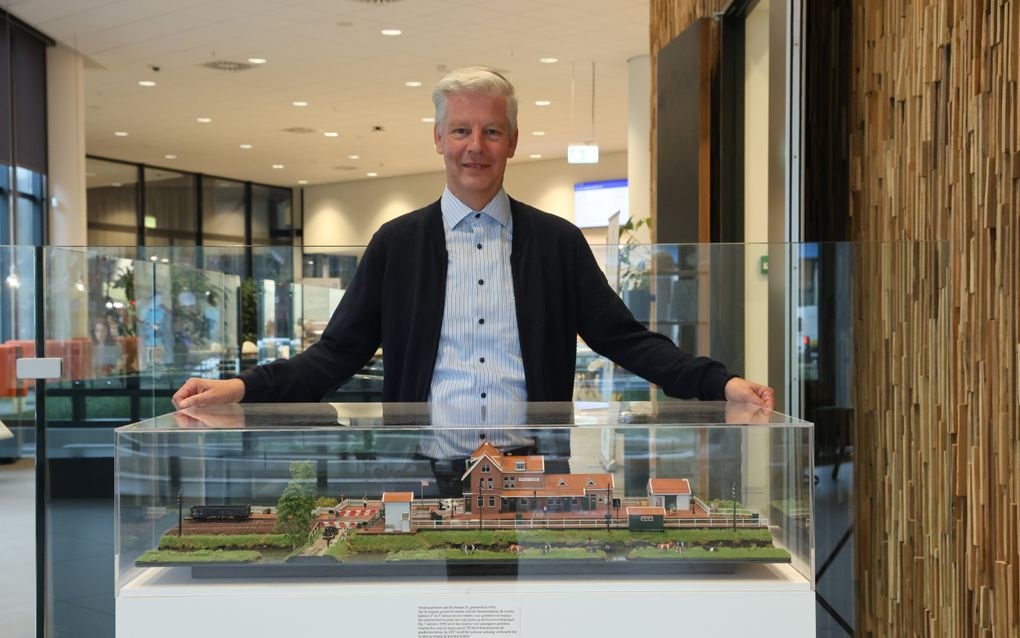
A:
(935, 155)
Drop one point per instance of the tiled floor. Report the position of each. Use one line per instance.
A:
(17, 549)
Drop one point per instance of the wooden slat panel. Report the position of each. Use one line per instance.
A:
(933, 155)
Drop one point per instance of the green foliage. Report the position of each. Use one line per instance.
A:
(199, 556)
(702, 553)
(372, 543)
(126, 280)
(339, 551)
(249, 310)
(635, 269)
(294, 510)
(325, 501)
(225, 541)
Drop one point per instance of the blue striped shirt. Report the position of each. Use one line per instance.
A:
(479, 360)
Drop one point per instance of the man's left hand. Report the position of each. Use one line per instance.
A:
(745, 391)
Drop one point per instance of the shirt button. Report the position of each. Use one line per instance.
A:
(483, 395)
(481, 321)
(479, 246)
(481, 282)
(477, 215)
(481, 359)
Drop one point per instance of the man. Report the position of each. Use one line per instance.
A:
(477, 299)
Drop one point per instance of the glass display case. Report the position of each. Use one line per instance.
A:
(490, 520)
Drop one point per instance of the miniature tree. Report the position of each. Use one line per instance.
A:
(294, 510)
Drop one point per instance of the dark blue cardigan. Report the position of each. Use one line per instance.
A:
(396, 298)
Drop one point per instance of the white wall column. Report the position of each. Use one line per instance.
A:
(65, 119)
(639, 131)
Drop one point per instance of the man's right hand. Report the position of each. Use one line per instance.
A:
(201, 392)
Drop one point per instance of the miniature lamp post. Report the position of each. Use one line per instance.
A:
(180, 516)
(481, 502)
(733, 492)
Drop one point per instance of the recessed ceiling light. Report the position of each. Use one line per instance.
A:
(302, 181)
(548, 60)
(412, 83)
(371, 174)
(535, 156)
(116, 184)
(428, 120)
(391, 32)
(277, 166)
(299, 103)
(204, 120)
(170, 156)
(542, 102)
(257, 60)
(353, 157)
(331, 134)
(146, 83)
(538, 133)
(246, 146)
(120, 133)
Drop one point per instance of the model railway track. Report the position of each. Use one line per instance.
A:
(256, 526)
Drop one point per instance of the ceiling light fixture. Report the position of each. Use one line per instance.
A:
(146, 83)
(204, 120)
(542, 102)
(391, 32)
(538, 133)
(372, 174)
(170, 156)
(354, 157)
(331, 134)
(120, 133)
(277, 166)
(299, 103)
(246, 146)
(535, 156)
(548, 60)
(302, 181)
(257, 60)
(428, 120)
(412, 84)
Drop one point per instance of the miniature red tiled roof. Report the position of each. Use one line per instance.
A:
(487, 449)
(646, 511)
(572, 485)
(504, 463)
(397, 497)
(669, 486)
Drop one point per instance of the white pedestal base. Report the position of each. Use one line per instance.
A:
(762, 601)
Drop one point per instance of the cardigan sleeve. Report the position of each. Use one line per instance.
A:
(351, 337)
(609, 328)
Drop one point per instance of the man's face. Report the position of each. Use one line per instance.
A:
(475, 141)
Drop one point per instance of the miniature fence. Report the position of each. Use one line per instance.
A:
(582, 523)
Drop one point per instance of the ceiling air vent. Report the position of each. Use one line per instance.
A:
(227, 65)
(301, 130)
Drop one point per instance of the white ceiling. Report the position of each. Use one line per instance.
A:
(331, 54)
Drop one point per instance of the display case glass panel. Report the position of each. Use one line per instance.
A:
(415, 491)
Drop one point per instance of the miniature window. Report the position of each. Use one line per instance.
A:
(485, 467)
(481, 500)
(591, 482)
(489, 485)
(520, 466)
(492, 501)
(562, 483)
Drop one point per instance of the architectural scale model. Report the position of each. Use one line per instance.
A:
(511, 511)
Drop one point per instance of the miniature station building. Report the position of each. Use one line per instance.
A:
(646, 519)
(496, 483)
(670, 493)
(397, 511)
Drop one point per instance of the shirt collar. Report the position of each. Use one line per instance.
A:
(454, 210)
